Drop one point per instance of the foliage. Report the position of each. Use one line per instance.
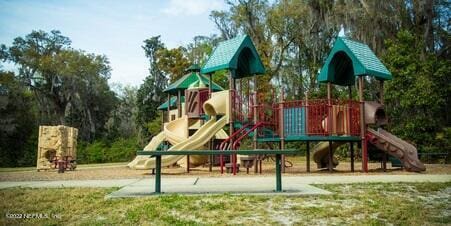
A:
(201, 47)
(172, 62)
(155, 126)
(417, 97)
(122, 121)
(18, 129)
(100, 151)
(56, 84)
(69, 86)
(150, 94)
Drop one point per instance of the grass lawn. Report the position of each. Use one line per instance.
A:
(355, 204)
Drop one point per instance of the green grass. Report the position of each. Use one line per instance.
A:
(353, 204)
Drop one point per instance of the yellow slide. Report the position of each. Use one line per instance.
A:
(217, 105)
(175, 132)
(153, 145)
(321, 151)
(196, 141)
(140, 161)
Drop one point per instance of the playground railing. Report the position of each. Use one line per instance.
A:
(242, 107)
(204, 95)
(318, 120)
(333, 117)
(319, 117)
(195, 100)
(294, 118)
(269, 115)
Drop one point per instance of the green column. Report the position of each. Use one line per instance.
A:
(307, 156)
(278, 173)
(158, 174)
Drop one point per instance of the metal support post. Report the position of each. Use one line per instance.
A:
(278, 173)
(331, 157)
(158, 174)
(351, 149)
(307, 156)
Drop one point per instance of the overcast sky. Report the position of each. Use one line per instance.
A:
(114, 28)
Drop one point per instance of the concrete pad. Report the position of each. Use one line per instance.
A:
(170, 181)
(203, 186)
(292, 185)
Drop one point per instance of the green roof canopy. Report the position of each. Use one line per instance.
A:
(193, 67)
(164, 106)
(188, 79)
(237, 55)
(348, 59)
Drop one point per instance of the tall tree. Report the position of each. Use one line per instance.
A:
(18, 128)
(122, 121)
(70, 85)
(417, 97)
(200, 48)
(172, 62)
(34, 56)
(150, 93)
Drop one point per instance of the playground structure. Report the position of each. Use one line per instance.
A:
(57, 147)
(198, 119)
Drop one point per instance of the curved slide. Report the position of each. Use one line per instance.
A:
(197, 140)
(384, 141)
(321, 151)
(170, 133)
(174, 132)
(396, 147)
(153, 145)
(217, 105)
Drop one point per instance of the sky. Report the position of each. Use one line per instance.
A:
(114, 28)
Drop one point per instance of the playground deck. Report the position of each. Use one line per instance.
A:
(311, 138)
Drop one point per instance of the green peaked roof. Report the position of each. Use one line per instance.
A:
(237, 55)
(188, 79)
(348, 59)
(164, 106)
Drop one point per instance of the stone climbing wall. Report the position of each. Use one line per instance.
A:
(55, 142)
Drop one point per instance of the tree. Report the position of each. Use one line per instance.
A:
(248, 17)
(18, 129)
(69, 85)
(417, 98)
(200, 48)
(85, 94)
(224, 23)
(150, 93)
(122, 121)
(172, 62)
(292, 37)
(34, 56)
